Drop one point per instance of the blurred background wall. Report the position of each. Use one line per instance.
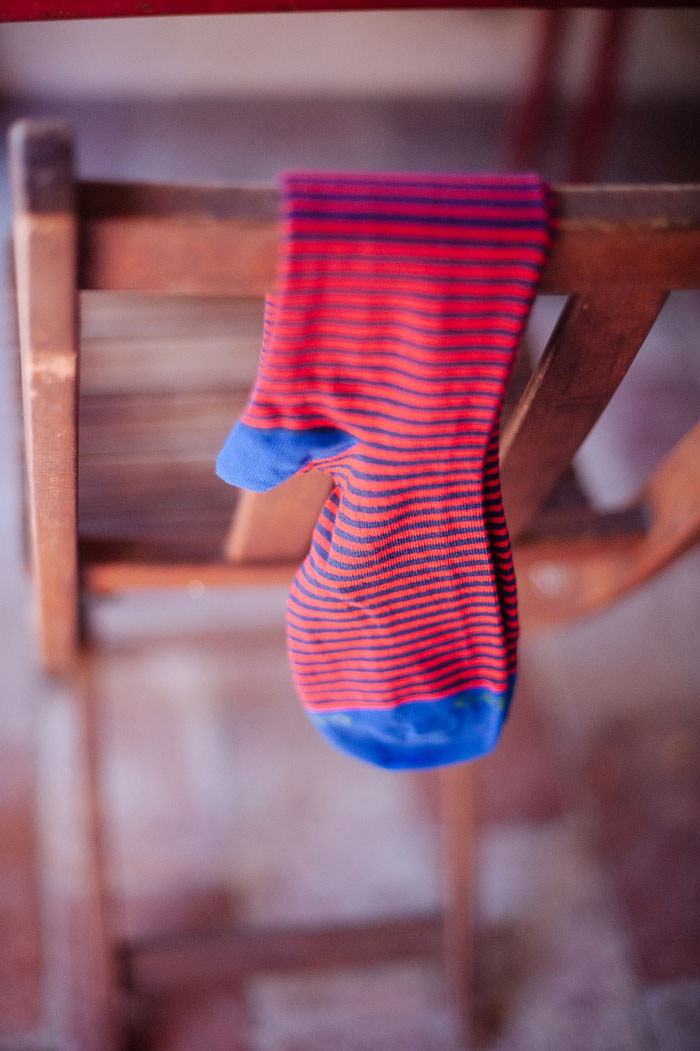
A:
(369, 53)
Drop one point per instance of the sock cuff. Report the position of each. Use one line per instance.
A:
(379, 266)
(430, 220)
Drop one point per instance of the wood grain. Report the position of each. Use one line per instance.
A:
(277, 525)
(671, 501)
(105, 577)
(219, 241)
(591, 348)
(564, 577)
(45, 252)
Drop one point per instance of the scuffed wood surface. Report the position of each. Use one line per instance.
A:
(593, 344)
(45, 252)
(220, 241)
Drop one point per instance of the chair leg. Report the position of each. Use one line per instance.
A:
(457, 820)
(91, 1017)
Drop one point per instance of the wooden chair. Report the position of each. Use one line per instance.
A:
(130, 522)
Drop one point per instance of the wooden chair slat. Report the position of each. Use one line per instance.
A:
(159, 539)
(231, 258)
(45, 243)
(169, 964)
(116, 564)
(671, 500)
(108, 578)
(277, 525)
(214, 241)
(142, 344)
(562, 576)
(665, 206)
(590, 350)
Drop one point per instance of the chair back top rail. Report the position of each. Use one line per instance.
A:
(222, 240)
(216, 240)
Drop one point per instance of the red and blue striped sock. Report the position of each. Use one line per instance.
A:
(400, 302)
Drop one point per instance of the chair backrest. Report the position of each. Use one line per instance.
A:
(618, 253)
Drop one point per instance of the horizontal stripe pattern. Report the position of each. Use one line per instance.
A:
(400, 303)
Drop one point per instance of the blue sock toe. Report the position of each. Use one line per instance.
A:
(420, 734)
(259, 459)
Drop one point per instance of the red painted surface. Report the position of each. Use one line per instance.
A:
(40, 10)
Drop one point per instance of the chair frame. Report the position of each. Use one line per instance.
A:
(618, 253)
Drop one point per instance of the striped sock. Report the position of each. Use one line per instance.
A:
(400, 302)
